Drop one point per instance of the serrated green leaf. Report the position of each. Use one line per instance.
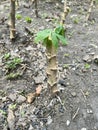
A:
(54, 39)
(45, 41)
(42, 35)
(60, 30)
(62, 39)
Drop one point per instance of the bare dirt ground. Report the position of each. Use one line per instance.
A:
(76, 108)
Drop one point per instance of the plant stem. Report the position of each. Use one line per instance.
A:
(52, 67)
(65, 12)
(36, 10)
(90, 10)
(12, 20)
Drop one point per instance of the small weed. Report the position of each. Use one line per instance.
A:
(12, 64)
(22, 113)
(13, 76)
(12, 106)
(70, 34)
(66, 66)
(7, 56)
(66, 55)
(18, 16)
(87, 66)
(28, 19)
(76, 20)
(3, 112)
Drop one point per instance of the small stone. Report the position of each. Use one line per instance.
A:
(5, 128)
(29, 48)
(89, 111)
(67, 122)
(12, 97)
(62, 82)
(30, 128)
(39, 79)
(73, 94)
(49, 120)
(4, 99)
(83, 129)
(21, 99)
(44, 128)
(86, 58)
(41, 66)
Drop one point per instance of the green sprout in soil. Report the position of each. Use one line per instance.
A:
(7, 56)
(66, 66)
(66, 55)
(28, 19)
(22, 113)
(18, 16)
(12, 64)
(13, 76)
(50, 39)
(3, 112)
(76, 20)
(12, 106)
(87, 66)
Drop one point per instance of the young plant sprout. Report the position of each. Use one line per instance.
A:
(50, 38)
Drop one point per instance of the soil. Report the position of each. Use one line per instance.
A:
(76, 107)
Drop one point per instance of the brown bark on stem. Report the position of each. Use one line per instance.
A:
(52, 67)
(65, 12)
(90, 9)
(12, 20)
(36, 10)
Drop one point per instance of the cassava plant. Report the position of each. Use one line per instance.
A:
(50, 38)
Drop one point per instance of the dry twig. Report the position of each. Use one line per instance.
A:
(90, 10)
(76, 113)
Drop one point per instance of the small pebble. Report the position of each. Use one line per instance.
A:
(30, 128)
(89, 111)
(73, 94)
(4, 99)
(49, 120)
(21, 99)
(67, 122)
(13, 97)
(83, 129)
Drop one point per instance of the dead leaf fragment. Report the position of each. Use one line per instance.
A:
(31, 97)
(38, 90)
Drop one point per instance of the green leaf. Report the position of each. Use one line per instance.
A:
(60, 30)
(62, 39)
(42, 35)
(87, 66)
(7, 56)
(2, 112)
(54, 39)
